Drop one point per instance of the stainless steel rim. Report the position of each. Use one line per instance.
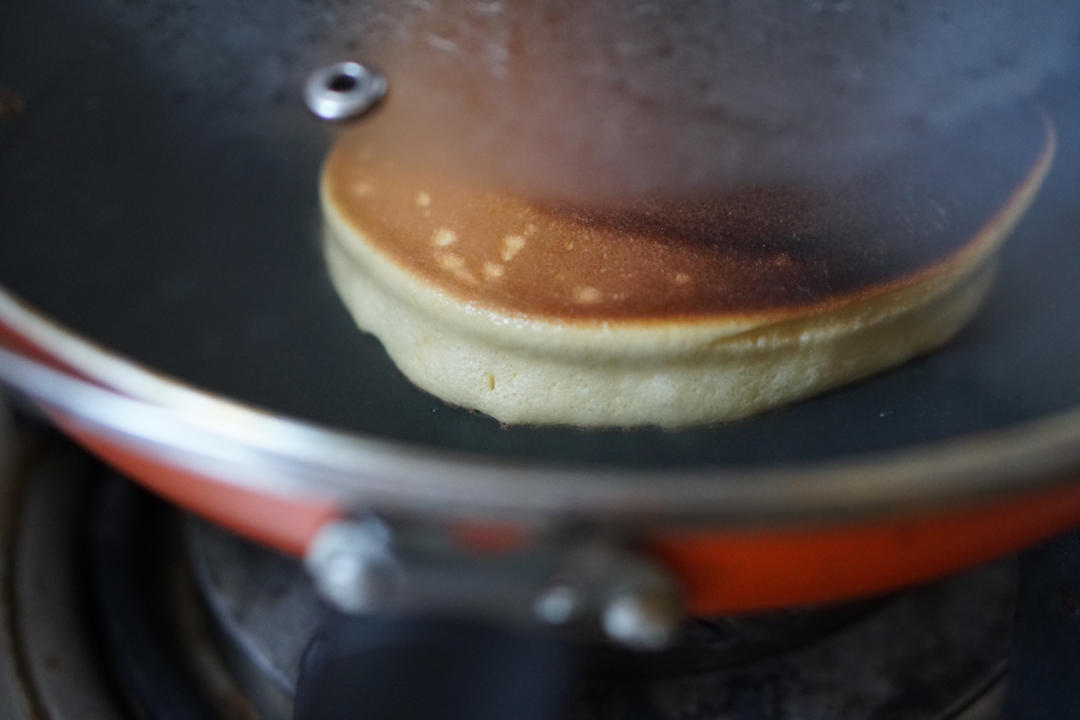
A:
(258, 450)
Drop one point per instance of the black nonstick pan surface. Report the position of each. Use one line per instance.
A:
(158, 197)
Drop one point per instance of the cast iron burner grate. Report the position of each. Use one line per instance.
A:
(117, 606)
(104, 617)
(927, 653)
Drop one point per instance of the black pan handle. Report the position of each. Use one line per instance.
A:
(394, 668)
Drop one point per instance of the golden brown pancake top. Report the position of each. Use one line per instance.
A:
(740, 251)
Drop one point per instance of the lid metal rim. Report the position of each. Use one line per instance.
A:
(297, 458)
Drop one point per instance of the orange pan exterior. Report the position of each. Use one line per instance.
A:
(725, 572)
(719, 571)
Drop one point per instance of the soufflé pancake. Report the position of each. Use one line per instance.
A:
(667, 313)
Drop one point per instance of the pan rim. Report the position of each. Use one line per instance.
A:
(354, 469)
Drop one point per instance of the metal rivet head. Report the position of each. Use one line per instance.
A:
(343, 90)
(643, 621)
(558, 605)
(352, 565)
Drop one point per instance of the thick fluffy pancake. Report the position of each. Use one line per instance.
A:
(673, 314)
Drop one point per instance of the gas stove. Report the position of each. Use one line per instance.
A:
(117, 605)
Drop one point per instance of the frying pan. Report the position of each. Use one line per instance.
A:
(159, 218)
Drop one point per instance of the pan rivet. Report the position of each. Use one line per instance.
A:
(343, 90)
(557, 605)
(352, 564)
(641, 620)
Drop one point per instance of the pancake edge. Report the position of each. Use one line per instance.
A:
(673, 372)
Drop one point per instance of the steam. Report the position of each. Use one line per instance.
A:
(605, 103)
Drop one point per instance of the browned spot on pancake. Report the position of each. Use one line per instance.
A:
(743, 251)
